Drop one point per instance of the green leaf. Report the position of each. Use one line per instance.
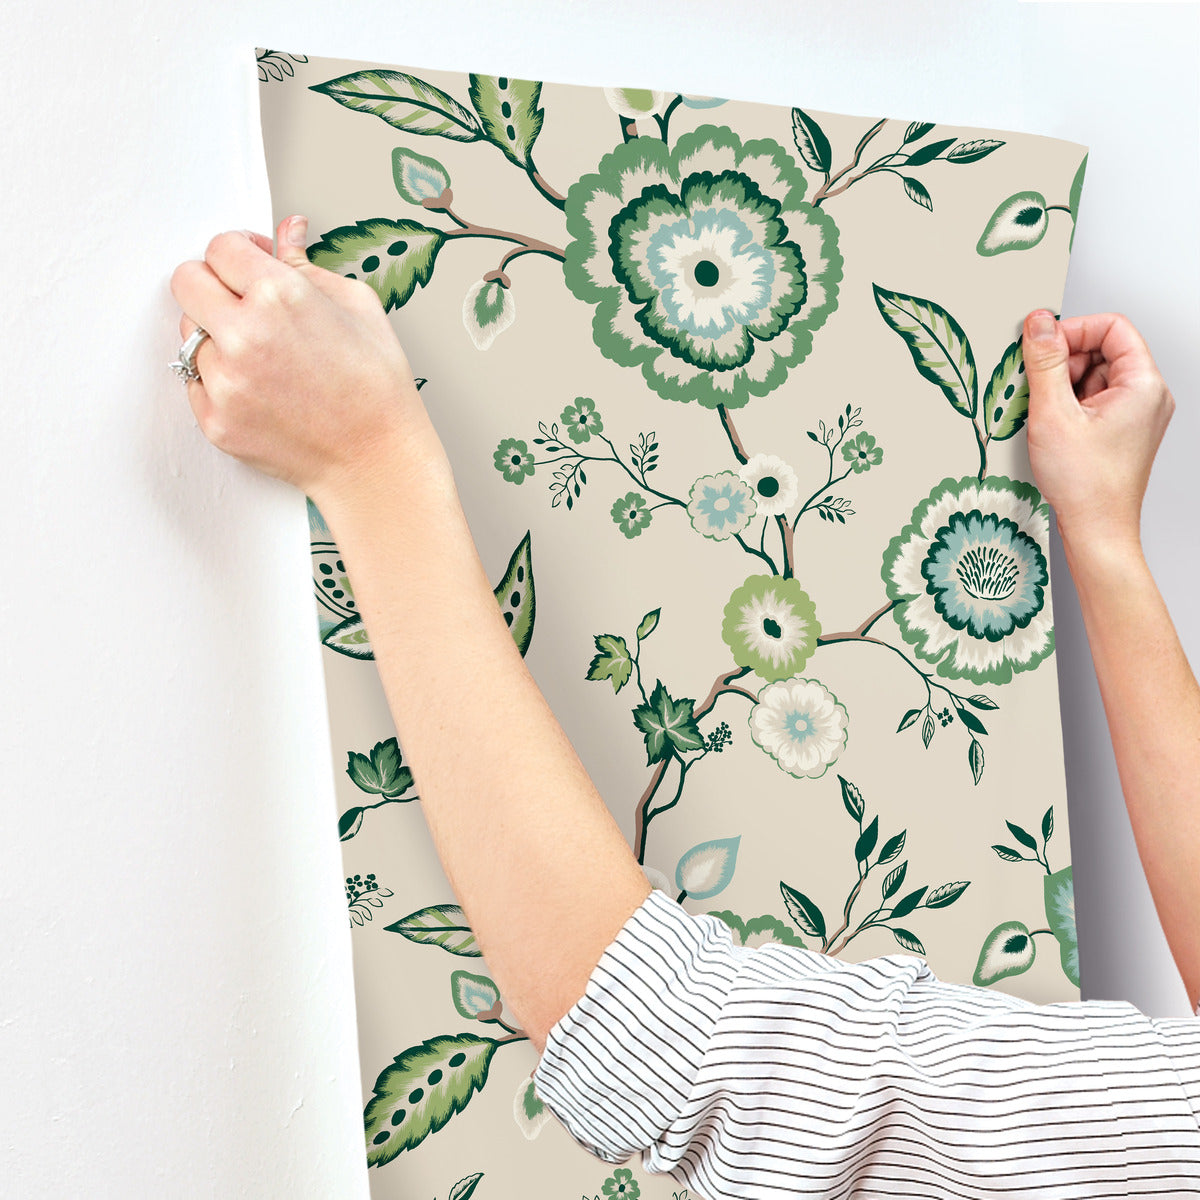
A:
(1018, 223)
(851, 798)
(982, 702)
(970, 720)
(917, 191)
(488, 310)
(1022, 836)
(907, 904)
(1006, 397)
(892, 847)
(927, 730)
(509, 111)
(895, 878)
(612, 662)
(349, 637)
(811, 141)
(866, 841)
(362, 772)
(1008, 950)
(803, 911)
(404, 102)
(909, 941)
(916, 131)
(515, 595)
(422, 1089)
(1009, 855)
(394, 777)
(908, 718)
(392, 256)
(648, 625)
(927, 153)
(1073, 198)
(975, 758)
(1048, 824)
(472, 994)
(464, 1187)
(938, 345)
(666, 723)
(418, 177)
(966, 152)
(1059, 894)
(441, 925)
(349, 823)
(944, 896)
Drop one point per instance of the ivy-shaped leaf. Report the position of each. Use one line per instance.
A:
(811, 141)
(383, 773)
(612, 660)
(667, 724)
(392, 256)
(1008, 950)
(509, 111)
(1006, 399)
(473, 994)
(404, 102)
(443, 925)
(803, 911)
(1059, 895)
(422, 1089)
(937, 342)
(515, 595)
(707, 868)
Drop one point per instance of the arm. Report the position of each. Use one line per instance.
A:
(1091, 454)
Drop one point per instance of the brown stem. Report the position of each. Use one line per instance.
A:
(639, 822)
(826, 188)
(859, 633)
(467, 229)
(734, 439)
(825, 949)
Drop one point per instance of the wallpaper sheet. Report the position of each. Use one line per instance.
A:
(735, 401)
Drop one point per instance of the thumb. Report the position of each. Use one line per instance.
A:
(1047, 357)
(291, 238)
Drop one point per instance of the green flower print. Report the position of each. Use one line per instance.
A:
(971, 566)
(801, 725)
(622, 1183)
(721, 505)
(581, 419)
(631, 514)
(771, 626)
(707, 268)
(862, 453)
(513, 460)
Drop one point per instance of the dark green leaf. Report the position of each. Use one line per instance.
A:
(908, 718)
(916, 131)
(917, 191)
(1009, 855)
(509, 113)
(851, 798)
(970, 720)
(1048, 824)
(927, 730)
(362, 772)
(349, 823)
(866, 841)
(944, 896)
(1022, 836)
(907, 904)
(811, 141)
(967, 152)
(667, 723)
(909, 941)
(464, 1187)
(803, 911)
(812, 435)
(927, 153)
(982, 701)
(975, 758)
(892, 847)
(894, 879)
(443, 925)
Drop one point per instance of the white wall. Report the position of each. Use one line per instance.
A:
(176, 1008)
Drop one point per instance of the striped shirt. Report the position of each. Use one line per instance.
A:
(774, 1071)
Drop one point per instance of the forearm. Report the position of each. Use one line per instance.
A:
(1152, 703)
(542, 871)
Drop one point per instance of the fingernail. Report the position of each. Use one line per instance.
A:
(1041, 324)
(297, 230)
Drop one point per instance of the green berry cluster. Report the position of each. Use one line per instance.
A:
(357, 886)
(720, 737)
(945, 716)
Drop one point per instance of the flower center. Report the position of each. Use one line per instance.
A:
(516, 460)
(771, 628)
(987, 573)
(706, 272)
(721, 503)
(768, 485)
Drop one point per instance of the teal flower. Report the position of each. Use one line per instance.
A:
(513, 460)
(721, 505)
(622, 1183)
(770, 625)
(862, 453)
(971, 568)
(631, 514)
(707, 268)
(581, 419)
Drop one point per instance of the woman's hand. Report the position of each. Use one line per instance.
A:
(302, 374)
(1098, 409)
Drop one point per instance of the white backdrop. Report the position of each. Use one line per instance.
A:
(176, 1006)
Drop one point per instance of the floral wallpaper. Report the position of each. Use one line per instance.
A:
(735, 401)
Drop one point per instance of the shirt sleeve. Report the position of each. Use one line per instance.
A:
(775, 1071)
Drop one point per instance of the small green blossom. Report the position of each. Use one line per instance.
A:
(862, 453)
(631, 514)
(513, 460)
(622, 1183)
(581, 419)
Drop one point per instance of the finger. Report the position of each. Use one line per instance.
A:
(1047, 358)
(198, 398)
(238, 259)
(291, 240)
(1112, 336)
(203, 296)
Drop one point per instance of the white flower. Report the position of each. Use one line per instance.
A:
(801, 725)
(773, 483)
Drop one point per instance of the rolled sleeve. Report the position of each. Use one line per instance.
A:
(776, 1071)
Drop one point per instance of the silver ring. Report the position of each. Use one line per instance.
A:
(185, 366)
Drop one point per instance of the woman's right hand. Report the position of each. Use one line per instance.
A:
(1098, 409)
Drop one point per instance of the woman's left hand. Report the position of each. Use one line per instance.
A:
(302, 375)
